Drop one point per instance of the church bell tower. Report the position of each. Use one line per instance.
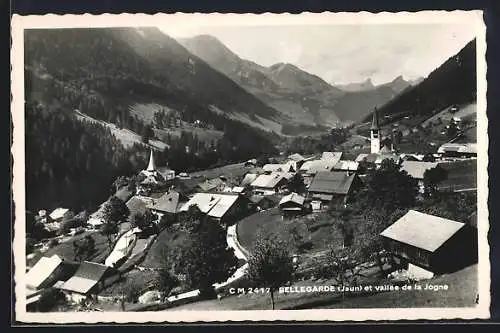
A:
(375, 134)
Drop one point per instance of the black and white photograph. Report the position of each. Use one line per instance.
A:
(215, 167)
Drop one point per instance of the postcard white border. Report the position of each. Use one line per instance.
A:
(19, 23)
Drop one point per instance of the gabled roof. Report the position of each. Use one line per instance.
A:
(322, 165)
(379, 158)
(212, 204)
(86, 277)
(417, 169)
(270, 167)
(256, 198)
(296, 157)
(210, 184)
(167, 203)
(136, 204)
(58, 213)
(470, 148)
(248, 179)
(237, 189)
(385, 150)
(42, 270)
(267, 181)
(336, 182)
(361, 157)
(423, 231)
(346, 165)
(292, 197)
(328, 155)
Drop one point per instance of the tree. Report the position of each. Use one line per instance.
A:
(432, 178)
(166, 281)
(109, 229)
(191, 219)
(49, 298)
(147, 133)
(389, 187)
(451, 130)
(142, 220)
(270, 264)
(343, 266)
(204, 258)
(296, 184)
(115, 210)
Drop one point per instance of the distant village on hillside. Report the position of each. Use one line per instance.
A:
(91, 259)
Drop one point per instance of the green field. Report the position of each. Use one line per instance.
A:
(168, 237)
(65, 249)
(461, 175)
(318, 229)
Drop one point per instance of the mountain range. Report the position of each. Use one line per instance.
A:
(452, 83)
(306, 98)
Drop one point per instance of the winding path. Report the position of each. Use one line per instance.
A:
(239, 252)
(122, 248)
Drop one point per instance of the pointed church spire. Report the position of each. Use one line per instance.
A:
(375, 122)
(151, 165)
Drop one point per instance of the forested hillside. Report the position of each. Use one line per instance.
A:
(454, 82)
(73, 163)
(69, 162)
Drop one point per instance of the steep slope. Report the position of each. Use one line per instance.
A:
(73, 75)
(305, 98)
(149, 65)
(454, 82)
(295, 93)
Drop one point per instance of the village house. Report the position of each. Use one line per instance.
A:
(44, 274)
(222, 208)
(327, 186)
(264, 202)
(429, 244)
(54, 220)
(89, 279)
(346, 165)
(248, 179)
(458, 150)
(331, 155)
(289, 166)
(251, 163)
(60, 214)
(211, 185)
(292, 205)
(269, 184)
(297, 159)
(137, 205)
(327, 162)
(167, 205)
(417, 170)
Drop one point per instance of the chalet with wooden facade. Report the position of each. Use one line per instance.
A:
(327, 186)
(430, 244)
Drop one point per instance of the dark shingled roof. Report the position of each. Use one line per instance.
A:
(136, 205)
(166, 203)
(331, 182)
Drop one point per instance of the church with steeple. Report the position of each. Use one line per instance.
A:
(154, 176)
(375, 134)
(151, 169)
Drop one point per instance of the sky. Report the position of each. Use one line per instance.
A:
(345, 53)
